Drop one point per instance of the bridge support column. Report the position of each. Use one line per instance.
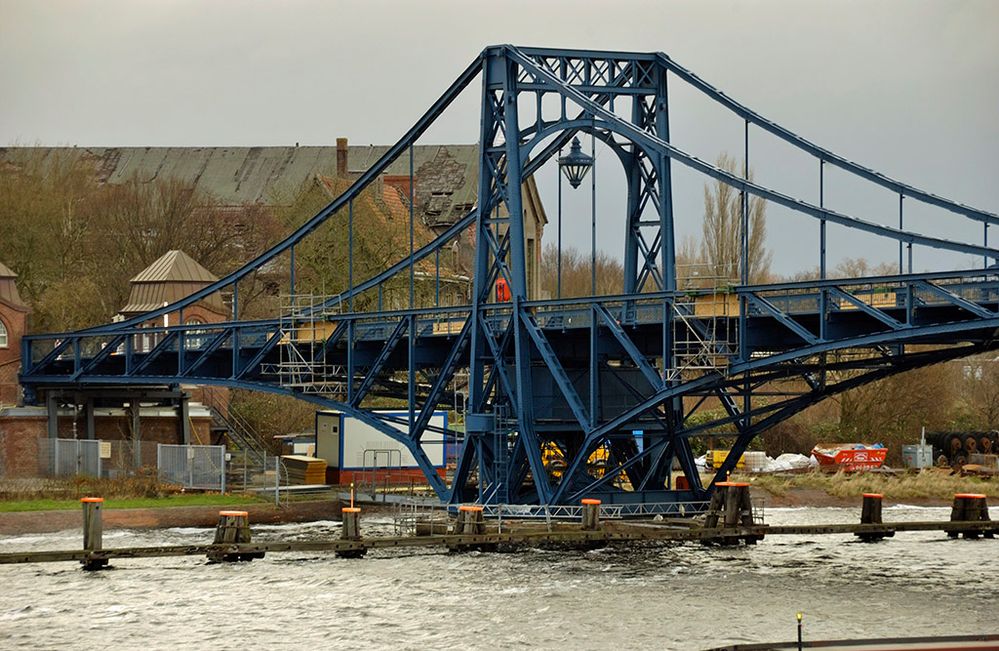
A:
(134, 409)
(184, 419)
(88, 410)
(52, 408)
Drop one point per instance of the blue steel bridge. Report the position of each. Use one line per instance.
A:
(638, 374)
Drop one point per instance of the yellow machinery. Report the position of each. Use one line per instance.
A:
(555, 463)
(715, 458)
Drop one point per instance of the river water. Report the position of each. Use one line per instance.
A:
(676, 596)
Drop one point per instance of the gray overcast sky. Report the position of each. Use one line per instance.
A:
(909, 88)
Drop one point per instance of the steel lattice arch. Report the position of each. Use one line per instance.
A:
(570, 374)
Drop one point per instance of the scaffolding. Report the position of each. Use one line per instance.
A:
(704, 335)
(305, 329)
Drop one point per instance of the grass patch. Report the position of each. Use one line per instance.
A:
(929, 484)
(187, 499)
(143, 490)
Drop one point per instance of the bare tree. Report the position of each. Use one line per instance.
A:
(576, 280)
(721, 246)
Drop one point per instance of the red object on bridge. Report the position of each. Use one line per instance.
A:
(849, 456)
(502, 290)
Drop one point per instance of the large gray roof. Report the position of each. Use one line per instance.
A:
(238, 175)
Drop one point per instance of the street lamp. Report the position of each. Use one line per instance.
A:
(576, 164)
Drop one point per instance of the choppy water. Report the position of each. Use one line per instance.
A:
(652, 596)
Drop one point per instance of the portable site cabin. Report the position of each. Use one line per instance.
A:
(356, 451)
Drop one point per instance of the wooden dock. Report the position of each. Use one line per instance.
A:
(518, 535)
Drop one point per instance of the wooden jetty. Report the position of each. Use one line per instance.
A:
(470, 532)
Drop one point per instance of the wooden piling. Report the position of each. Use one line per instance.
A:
(970, 507)
(715, 507)
(731, 507)
(590, 514)
(93, 531)
(233, 528)
(351, 530)
(474, 522)
(471, 522)
(870, 513)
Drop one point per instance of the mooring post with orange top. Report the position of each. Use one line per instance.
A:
(731, 504)
(590, 514)
(350, 520)
(970, 507)
(870, 513)
(93, 531)
(472, 520)
(233, 528)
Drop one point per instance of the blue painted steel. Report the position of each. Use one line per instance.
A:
(569, 374)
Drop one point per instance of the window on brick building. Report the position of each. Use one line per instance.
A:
(3, 335)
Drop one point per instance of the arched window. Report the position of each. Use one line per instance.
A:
(3, 335)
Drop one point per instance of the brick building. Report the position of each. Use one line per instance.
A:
(13, 322)
(140, 416)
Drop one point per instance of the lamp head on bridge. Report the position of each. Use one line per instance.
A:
(576, 164)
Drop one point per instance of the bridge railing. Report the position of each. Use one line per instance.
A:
(79, 354)
(879, 292)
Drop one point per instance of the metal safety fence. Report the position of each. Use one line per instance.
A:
(411, 517)
(192, 466)
(609, 511)
(69, 457)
